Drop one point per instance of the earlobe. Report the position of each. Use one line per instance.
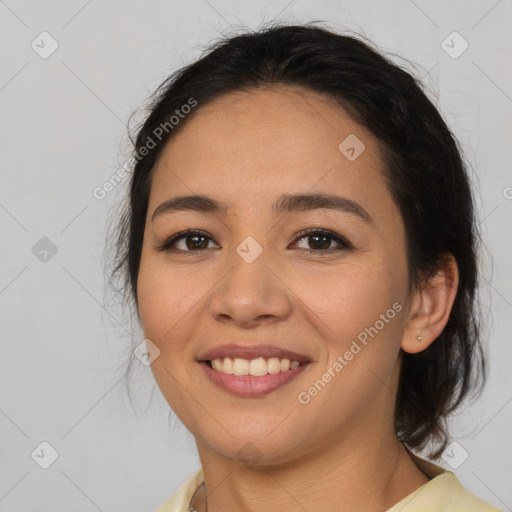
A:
(431, 307)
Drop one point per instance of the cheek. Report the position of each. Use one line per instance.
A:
(360, 347)
(360, 313)
(165, 301)
(166, 308)
(348, 300)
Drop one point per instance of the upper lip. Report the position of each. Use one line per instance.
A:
(251, 352)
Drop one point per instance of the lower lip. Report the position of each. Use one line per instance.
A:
(248, 385)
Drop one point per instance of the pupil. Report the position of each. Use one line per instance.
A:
(194, 245)
(201, 245)
(326, 243)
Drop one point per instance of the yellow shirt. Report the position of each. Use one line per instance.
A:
(443, 493)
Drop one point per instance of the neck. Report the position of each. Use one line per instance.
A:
(348, 475)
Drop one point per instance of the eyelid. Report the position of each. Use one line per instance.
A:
(166, 245)
(341, 240)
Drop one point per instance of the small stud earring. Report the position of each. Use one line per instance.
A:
(419, 338)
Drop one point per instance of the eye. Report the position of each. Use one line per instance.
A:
(198, 241)
(321, 239)
(194, 241)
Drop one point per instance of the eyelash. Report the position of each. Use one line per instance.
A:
(166, 246)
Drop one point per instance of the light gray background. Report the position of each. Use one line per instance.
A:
(63, 133)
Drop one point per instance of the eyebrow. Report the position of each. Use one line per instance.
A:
(286, 203)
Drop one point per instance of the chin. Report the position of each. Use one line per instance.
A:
(255, 445)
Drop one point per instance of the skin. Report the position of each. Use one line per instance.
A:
(340, 451)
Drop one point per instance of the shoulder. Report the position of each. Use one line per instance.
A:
(443, 493)
(180, 499)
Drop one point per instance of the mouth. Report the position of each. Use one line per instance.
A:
(252, 371)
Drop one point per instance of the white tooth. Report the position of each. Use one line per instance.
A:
(240, 366)
(273, 365)
(258, 367)
(285, 364)
(228, 366)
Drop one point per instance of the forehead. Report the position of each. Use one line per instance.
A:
(270, 141)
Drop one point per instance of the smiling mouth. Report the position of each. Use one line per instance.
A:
(257, 367)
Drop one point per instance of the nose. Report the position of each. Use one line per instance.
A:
(251, 293)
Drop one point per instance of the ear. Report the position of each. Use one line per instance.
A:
(431, 306)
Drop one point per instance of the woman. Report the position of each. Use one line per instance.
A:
(301, 248)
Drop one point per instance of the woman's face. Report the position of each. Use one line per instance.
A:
(252, 285)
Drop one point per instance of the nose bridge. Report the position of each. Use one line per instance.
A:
(250, 289)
